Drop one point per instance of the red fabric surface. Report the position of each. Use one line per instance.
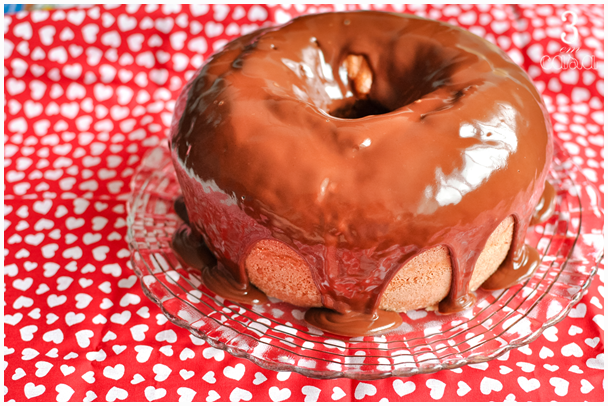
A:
(88, 92)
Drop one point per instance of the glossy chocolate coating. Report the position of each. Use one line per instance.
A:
(545, 206)
(262, 147)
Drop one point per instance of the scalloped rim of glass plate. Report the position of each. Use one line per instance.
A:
(375, 375)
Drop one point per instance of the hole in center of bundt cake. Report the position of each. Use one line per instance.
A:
(361, 78)
(359, 108)
(391, 83)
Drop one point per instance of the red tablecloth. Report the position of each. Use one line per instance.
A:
(89, 91)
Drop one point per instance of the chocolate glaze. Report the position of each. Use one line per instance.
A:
(180, 209)
(222, 282)
(192, 250)
(520, 264)
(545, 206)
(514, 270)
(353, 324)
(269, 141)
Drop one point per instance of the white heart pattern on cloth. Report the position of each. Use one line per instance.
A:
(279, 395)
(186, 394)
(403, 388)
(239, 394)
(528, 385)
(90, 90)
(235, 372)
(561, 386)
(259, 378)
(115, 372)
(116, 393)
(463, 388)
(338, 393)
(364, 389)
(32, 391)
(311, 393)
(437, 388)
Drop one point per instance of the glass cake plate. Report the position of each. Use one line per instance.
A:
(275, 335)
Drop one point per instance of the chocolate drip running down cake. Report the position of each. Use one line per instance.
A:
(360, 164)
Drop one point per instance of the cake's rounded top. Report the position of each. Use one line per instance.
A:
(456, 111)
(438, 140)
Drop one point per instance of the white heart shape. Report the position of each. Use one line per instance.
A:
(186, 353)
(121, 318)
(463, 388)
(574, 330)
(403, 388)
(162, 372)
(551, 334)
(54, 336)
(118, 348)
(22, 301)
(112, 269)
(338, 393)
(437, 388)
(137, 378)
(116, 372)
(279, 395)
(237, 395)
(129, 299)
(138, 332)
(586, 386)
(528, 385)
(64, 392)
(89, 377)
(235, 372)
(578, 312)
(43, 368)
(550, 367)
(67, 370)
(259, 378)
(211, 352)
(364, 389)
(167, 350)
(83, 300)
(13, 319)
(198, 10)
(488, 385)
(90, 396)
(186, 394)
(23, 284)
(526, 367)
(545, 353)
(572, 349)
(560, 385)
(166, 335)
(592, 342)
(96, 355)
(19, 373)
(72, 318)
(32, 391)
(116, 394)
(505, 370)
(596, 363)
(311, 393)
(28, 354)
(143, 352)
